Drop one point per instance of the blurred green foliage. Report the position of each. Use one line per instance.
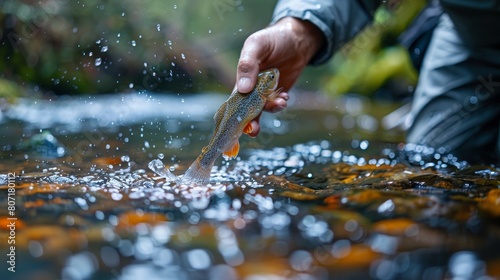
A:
(96, 46)
(373, 57)
(106, 46)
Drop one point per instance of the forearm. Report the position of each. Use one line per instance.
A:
(338, 20)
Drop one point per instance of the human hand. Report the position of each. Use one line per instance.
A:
(287, 45)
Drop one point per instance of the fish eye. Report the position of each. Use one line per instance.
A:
(272, 76)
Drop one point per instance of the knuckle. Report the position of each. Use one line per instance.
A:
(254, 38)
(245, 65)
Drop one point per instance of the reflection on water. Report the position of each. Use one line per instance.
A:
(316, 196)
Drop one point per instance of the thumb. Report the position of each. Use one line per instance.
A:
(248, 65)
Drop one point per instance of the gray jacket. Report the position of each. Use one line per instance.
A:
(478, 21)
(338, 20)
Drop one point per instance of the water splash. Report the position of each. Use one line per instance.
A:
(157, 167)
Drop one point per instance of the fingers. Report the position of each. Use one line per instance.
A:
(248, 66)
(278, 104)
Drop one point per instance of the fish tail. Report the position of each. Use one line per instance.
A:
(196, 173)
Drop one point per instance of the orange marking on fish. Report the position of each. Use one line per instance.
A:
(233, 151)
(248, 129)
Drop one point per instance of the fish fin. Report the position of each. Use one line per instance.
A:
(220, 114)
(274, 94)
(248, 129)
(233, 151)
(196, 174)
(204, 149)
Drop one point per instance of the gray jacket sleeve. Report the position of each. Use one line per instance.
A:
(339, 20)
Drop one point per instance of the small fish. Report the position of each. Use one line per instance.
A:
(231, 120)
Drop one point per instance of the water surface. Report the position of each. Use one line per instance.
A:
(323, 193)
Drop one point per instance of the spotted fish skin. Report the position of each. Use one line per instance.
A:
(231, 120)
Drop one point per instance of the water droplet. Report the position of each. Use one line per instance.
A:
(173, 64)
(161, 156)
(116, 196)
(35, 249)
(104, 49)
(363, 145)
(125, 158)
(198, 259)
(158, 28)
(210, 31)
(183, 56)
(301, 260)
(80, 266)
(91, 53)
(133, 43)
(98, 61)
(386, 207)
(123, 14)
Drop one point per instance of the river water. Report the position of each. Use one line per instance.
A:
(324, 192)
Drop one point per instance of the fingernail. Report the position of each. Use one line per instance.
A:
(244, 84)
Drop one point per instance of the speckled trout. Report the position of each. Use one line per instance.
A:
(231, 120)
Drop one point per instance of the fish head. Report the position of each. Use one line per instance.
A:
(267, 82)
